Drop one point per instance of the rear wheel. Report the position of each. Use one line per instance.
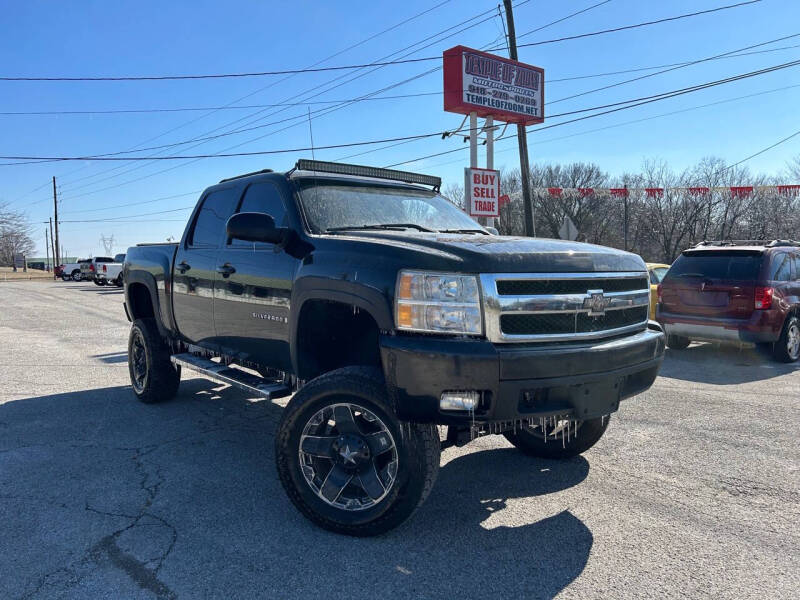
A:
(677, 342)
(118, 280)
(153, 376)
(345, 460)
(559, 438)
(787, 348)
(76, 275)
(100, 282)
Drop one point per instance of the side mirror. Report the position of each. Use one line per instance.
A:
(255, 227)
(492, 230)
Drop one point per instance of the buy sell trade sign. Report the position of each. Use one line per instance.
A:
(483, 191)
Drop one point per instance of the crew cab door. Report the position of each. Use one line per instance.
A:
(195, 267)
(253, 286)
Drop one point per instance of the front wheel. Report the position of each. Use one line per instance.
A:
(345, 460)
(559, 438)
(787, 348)
(153, 376)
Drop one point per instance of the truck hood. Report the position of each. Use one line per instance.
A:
(503, 254)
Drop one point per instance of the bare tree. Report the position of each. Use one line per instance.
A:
(15, 235)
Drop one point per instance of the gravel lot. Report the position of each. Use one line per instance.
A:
(693, 492)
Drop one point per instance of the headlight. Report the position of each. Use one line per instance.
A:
(438, 302)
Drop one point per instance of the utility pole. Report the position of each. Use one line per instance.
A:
(53, 243)
(46, 251)
(55, 209)
(522, 139)
(625, 216)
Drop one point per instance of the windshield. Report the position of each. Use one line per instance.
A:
(337, 206)
(718, 264)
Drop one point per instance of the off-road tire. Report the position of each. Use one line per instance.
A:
(418, 451)
(677, 342)
(780, 349)
(118, 280)
(588, 434)
(161, 378)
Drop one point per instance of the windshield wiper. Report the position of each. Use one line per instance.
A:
(382, 226)
(464, 231)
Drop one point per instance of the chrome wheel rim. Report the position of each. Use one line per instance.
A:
(348, 457)
(138, 360)
(793, 340)
(76, 277)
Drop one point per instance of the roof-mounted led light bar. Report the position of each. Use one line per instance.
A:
(364, 171)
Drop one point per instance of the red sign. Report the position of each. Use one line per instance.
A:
(482, 187)
(492, 86)
(504, 199)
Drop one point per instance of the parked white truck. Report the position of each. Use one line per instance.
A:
(110, 273)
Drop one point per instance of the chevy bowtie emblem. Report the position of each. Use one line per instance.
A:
(596, 303)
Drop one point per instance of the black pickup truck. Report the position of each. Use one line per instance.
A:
(387, 312)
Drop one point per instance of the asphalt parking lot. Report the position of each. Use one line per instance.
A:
(693, 492)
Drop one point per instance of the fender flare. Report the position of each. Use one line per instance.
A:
(366, 298)
(149, 282)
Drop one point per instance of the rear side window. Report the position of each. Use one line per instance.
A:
(719, 264)
(783, 269)
(262, 197)
(210, 223)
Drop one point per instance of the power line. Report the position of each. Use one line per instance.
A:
(636, 25)
(627, 104)
(365, 65)
(261, 89)
(614, 107)
(305, 93)
(115, 206)
(575, 14)
(667, 70)
(642, 120)
(770, 147)
(733, 54)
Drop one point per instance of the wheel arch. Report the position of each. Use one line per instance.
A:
(323, 318)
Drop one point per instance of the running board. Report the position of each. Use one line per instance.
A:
(253, 384)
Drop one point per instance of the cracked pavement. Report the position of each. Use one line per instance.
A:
(693, 492)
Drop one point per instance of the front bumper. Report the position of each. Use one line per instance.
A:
(762, 326)
(518, 381)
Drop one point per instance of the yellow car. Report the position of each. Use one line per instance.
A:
(656, 272)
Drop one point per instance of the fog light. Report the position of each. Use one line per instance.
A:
(463, 400)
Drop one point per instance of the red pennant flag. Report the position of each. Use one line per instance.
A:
(585, 192)
(619, 191)
(741, 191)
(503, 200)
(654, 192)
(789, 190)
(698, 191)
(554, 191)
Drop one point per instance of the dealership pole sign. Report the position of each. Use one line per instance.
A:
(492, 86)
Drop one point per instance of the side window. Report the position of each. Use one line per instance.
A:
(784, 270)
(797, 266)
(262, 197)
(210, 223)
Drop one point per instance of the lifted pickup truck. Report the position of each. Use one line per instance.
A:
(388, 311)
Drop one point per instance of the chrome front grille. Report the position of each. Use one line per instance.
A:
(521, 307)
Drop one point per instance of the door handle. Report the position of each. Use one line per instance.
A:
(183, 267)
(226, 270)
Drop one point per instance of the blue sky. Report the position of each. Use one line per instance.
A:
(39, 38)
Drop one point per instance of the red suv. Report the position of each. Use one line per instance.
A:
(746, 291)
